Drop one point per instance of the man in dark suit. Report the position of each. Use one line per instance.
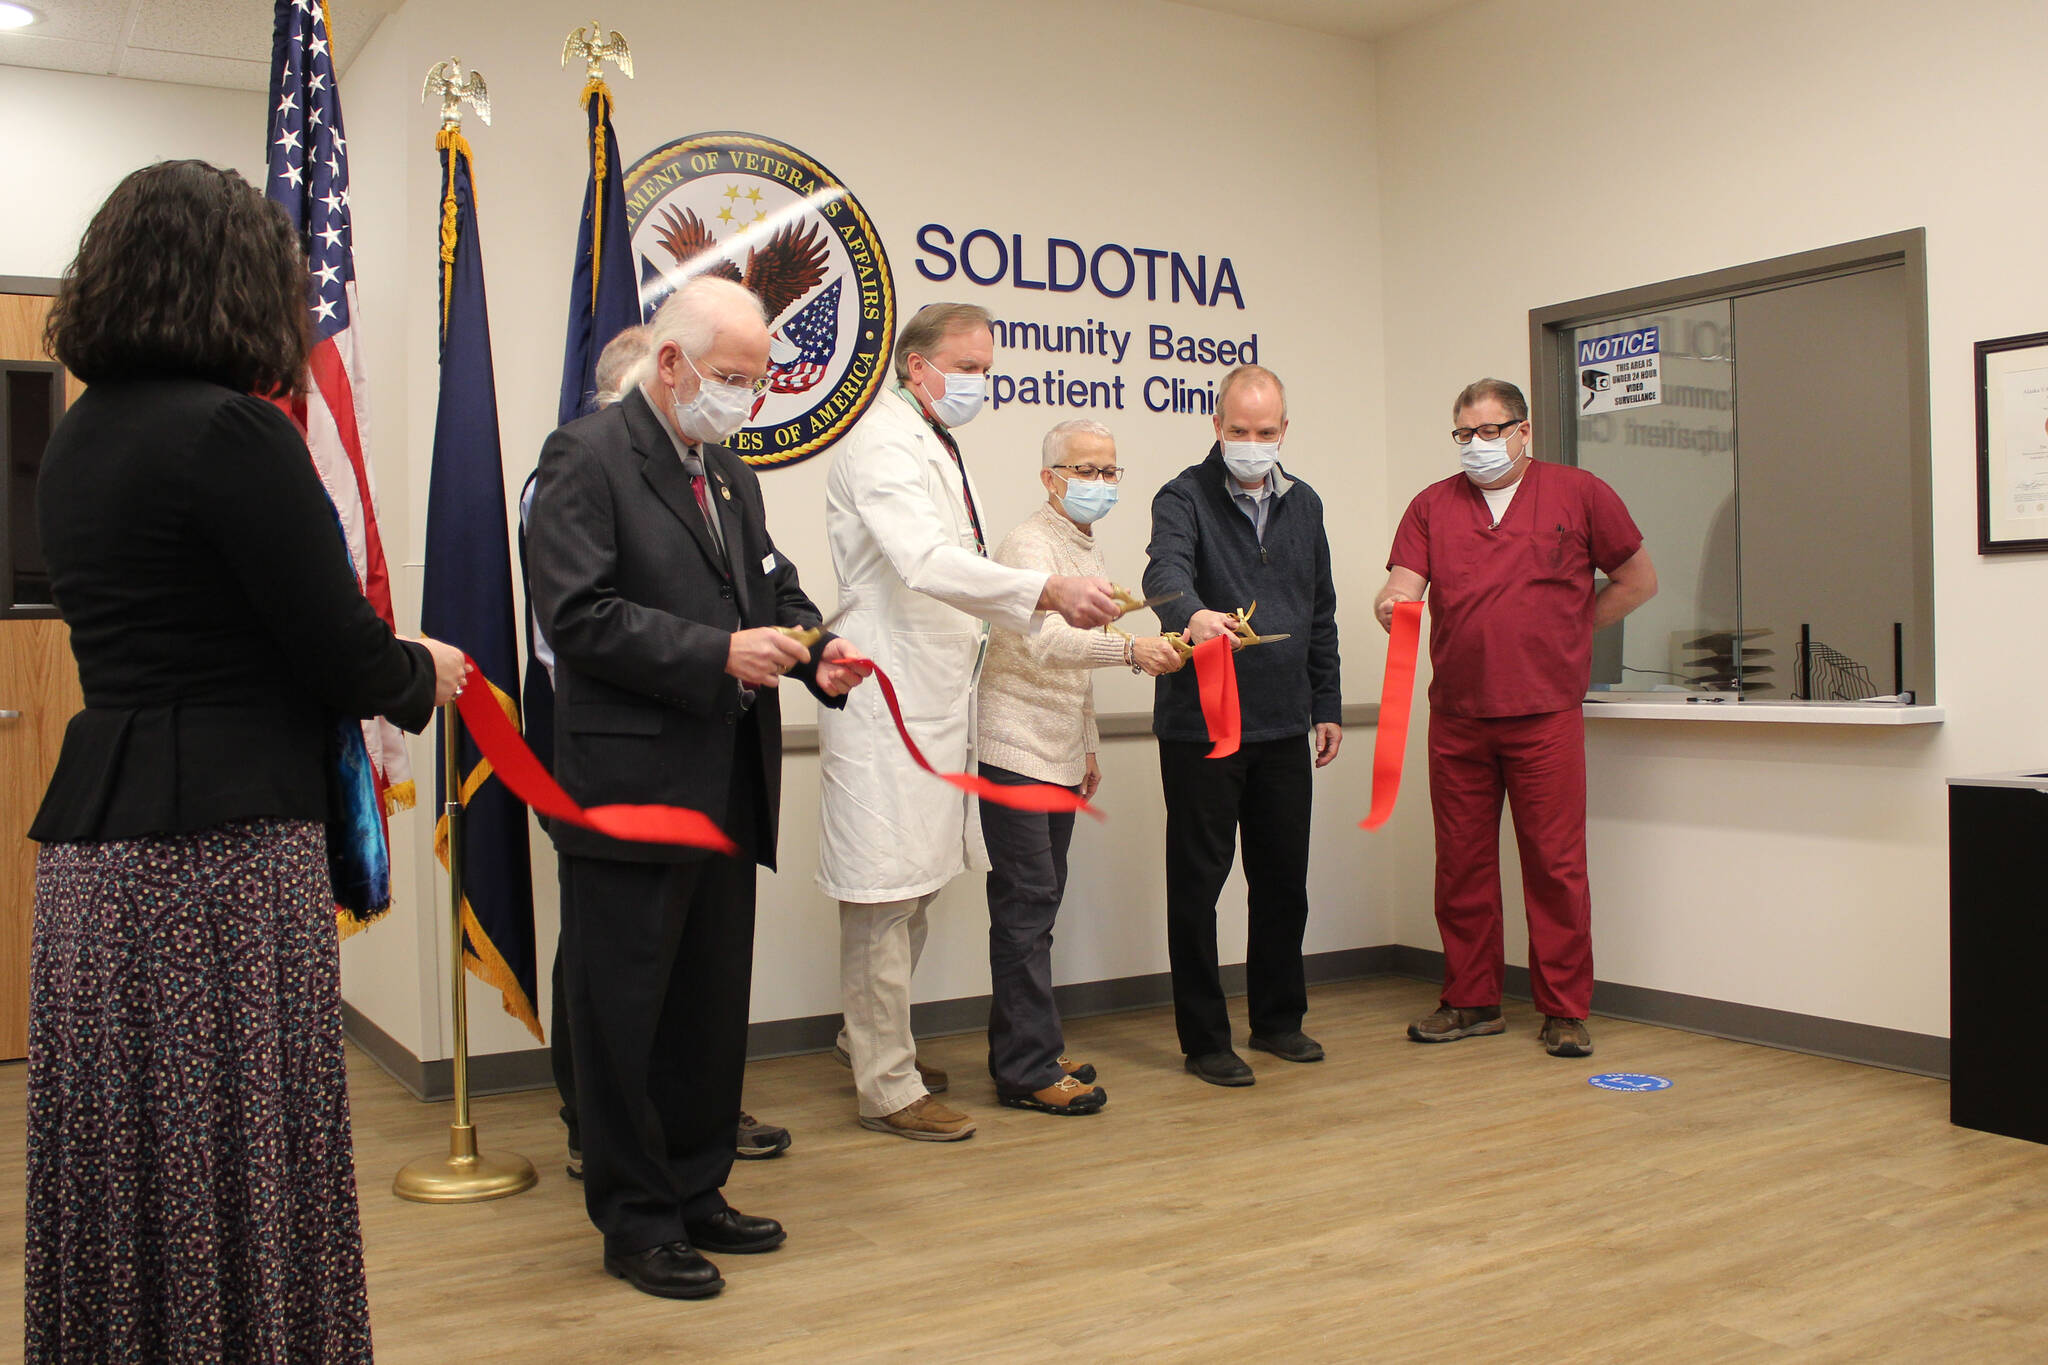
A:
(657, 583)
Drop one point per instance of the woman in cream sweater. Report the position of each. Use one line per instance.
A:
(1036, 723)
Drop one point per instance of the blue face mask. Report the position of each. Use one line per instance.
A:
(1088, 502)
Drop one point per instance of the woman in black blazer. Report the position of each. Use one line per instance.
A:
(191, 1176)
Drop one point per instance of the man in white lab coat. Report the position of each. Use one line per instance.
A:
(916, 586)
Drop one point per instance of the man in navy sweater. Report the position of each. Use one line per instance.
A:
(1234, 530)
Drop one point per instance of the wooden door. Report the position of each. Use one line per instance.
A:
(38, 696)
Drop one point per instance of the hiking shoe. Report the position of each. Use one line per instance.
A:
(935, 1080)
(1067, 1095)
(1084, 1072)
(1449, 1024)
(1289, 1047)
(1221, 1068)
(1566, 1037)
(758, 1141)
(923, 1120)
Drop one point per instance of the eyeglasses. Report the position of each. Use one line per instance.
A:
(1089, 473)
(1485, 431)
(757, 387)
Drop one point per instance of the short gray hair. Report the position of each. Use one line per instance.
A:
(1499, 390)
(620, 354)
(1250, 374)
(690, 319)
(931, 325)
(1060, 437)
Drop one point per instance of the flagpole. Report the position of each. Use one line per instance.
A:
(466, 1175)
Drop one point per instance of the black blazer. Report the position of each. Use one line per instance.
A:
(633, 597)
(213, 613)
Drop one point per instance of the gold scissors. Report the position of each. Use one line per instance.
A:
(1242, 630)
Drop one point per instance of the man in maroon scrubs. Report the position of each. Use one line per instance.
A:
(1508, 549)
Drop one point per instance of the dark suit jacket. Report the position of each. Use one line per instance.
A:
(632, 594)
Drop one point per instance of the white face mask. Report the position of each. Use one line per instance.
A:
(961, 401)
(719, 409)
(1250, 461)
(1486, 461)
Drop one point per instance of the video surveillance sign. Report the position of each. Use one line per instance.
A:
(1619, 371)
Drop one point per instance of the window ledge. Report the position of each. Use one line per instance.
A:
(1768, 712)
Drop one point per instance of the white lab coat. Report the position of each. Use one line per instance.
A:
(912, 585)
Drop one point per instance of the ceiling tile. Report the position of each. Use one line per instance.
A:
(56, 54)
(238, 29)
(185, 68)
(92, 21)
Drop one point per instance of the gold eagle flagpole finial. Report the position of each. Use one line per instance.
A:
(446, 80)
(596, 48)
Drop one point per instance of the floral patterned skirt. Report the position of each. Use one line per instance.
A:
(191, 1177)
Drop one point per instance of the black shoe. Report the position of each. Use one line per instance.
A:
(1289, 1047)
(734, 1234)
(1221, 1068)
(669, 1271)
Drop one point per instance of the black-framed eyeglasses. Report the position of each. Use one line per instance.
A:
(1089, 473)
(1485, 431)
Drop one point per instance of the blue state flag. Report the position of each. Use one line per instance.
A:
(604, 298)
(467, 600)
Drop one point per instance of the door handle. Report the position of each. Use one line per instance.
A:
(10, 715)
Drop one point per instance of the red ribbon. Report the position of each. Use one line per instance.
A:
(1038, 796)
(1216, 677)
(523, 775)
(1397, 693)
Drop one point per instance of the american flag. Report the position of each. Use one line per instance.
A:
(814, 332)
(309, 178)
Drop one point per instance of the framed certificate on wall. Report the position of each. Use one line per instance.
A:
(2012, 444)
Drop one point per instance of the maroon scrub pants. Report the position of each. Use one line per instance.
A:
(1539, 764)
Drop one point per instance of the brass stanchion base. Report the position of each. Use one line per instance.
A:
(465, 1175)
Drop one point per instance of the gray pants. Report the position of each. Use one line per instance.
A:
(1027, 854)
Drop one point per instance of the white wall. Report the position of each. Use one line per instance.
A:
(71, 138)
(1531, 154)
(1145, 124)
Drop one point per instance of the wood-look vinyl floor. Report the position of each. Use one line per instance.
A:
(1471, 1201)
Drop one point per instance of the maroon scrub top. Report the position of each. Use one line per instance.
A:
(1511, 606)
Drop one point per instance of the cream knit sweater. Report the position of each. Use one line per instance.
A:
(1037, 713)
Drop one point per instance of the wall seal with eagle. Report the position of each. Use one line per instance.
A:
(761, 212)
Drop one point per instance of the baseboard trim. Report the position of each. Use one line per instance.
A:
(494, 1073)
(503, 1072)
(1894, 1049)
(1923, 1054)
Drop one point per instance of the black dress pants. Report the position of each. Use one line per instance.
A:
(1263, 790)
(658, 964)
(1027, 854)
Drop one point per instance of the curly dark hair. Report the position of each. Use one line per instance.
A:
(186, 271)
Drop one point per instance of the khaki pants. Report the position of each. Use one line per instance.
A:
(879, 946)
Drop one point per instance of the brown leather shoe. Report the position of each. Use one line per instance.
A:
(1067, 1095)
(1084, 1072)
(1566, 1037)
(1449, 1024)
(923, 1120)
(935, 1080)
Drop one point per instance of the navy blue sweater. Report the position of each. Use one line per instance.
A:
(1205, 548)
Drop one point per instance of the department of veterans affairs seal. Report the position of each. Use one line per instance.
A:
(762, 213)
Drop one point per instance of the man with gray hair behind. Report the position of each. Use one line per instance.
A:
(1037, 724)
(917, 587)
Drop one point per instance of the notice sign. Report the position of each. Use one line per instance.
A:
(1619, 371)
